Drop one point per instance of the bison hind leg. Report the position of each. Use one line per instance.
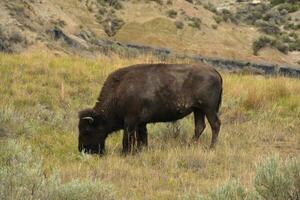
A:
(215, 124)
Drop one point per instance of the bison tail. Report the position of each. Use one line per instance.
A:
(221, 91)
(220, 100)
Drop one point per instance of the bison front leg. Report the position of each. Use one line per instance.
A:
(142, 137)
(129, 140)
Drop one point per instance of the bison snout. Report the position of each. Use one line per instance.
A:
(91, 149)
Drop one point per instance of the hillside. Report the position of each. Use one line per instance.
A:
(198, 27)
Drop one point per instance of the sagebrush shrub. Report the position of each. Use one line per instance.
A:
(273, 181)
(265, 41)
(172, 13)
(260, 43)
(195, 22)
(22, 177)
(179, 24)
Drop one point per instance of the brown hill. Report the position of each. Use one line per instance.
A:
(183, 26)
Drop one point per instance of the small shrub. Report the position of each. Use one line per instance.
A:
(250, 14)
(179, 24)
(276, 2)
(293, 35)
(295, 45)
(214, 26)
(113, 3)
(159, 2)
(265, 41)
(274, 16)
(102, 11)
(267, 27)
(228, 16)
(11, 38)
(260, 43)
(112, 25)
(217, 19)
(292, 26)
(282, 47)
(211, 8)
(190, 1)
(195, 22)
(169, 2)
(172, 13)
(289, 7)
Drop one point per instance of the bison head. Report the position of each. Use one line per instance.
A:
(92, 133)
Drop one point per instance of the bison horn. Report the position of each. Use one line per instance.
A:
(91, 120)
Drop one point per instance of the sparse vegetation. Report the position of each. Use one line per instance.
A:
(113, 3)
(11, 39)
(172, 13)
(179, 24)
(159, 2)
(209, 6)
(190, 1)
(111, 26)
(261, 43)
(195, 22)
(265, 41)
(214, 26)
(269, 19)
(217, 18)
(228, 16)
(267, 27)
(264, 111)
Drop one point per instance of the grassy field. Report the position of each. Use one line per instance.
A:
(41, 95)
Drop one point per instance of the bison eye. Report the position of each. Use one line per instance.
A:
(87, 130)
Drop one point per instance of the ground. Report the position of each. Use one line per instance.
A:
(42, 93)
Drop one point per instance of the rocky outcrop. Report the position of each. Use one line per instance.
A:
(224, 64)
(227, 64)
(254, 67)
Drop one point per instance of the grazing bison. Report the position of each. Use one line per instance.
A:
(134, 96)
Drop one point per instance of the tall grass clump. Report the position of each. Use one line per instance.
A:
(262, 94)
(22, 177)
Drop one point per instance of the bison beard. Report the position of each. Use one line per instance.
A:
(134, 96)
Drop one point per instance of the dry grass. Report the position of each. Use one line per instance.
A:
(41, 95)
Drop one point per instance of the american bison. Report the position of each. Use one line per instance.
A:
(134, 96)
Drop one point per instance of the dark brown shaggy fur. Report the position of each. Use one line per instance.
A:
(134, 96)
